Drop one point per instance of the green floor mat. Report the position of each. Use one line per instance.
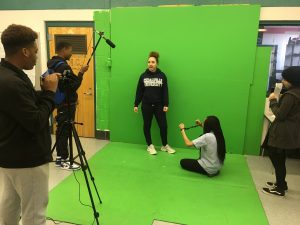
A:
(137, 188)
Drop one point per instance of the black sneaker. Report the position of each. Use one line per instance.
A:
(58, 161)
(272, 185)
(273, 191)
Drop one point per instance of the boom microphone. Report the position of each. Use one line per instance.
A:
(101, 35)
(109, 42)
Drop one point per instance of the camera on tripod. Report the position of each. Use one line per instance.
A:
(66, 74)
(65, 78)
(62, 97)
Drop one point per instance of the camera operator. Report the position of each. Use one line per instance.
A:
(59, 64)
(25, 141)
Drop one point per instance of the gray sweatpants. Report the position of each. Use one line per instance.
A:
(24, 192)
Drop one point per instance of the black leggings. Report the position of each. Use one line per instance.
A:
(278, 158)
(192, 165)
(157, 110)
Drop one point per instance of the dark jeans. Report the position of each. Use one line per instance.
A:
(157, 110)
(278, 158)
(192, 165)
(63, 130)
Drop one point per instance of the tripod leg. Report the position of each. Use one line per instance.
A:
(89, 170)
(79, 149)
(71, 145)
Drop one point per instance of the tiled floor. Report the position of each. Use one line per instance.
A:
(278, 210)
(90, 146)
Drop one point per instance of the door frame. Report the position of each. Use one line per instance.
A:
(90, 24)
(294, 153)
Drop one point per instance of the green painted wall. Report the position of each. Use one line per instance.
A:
(209, 61)
(106, 4)
(103, 71)
(257, 101)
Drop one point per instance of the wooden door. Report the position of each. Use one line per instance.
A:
(85, 112)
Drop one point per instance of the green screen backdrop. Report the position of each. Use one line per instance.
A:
(257, 101)
(208, 54)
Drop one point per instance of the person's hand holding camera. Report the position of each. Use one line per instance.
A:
(50, 82)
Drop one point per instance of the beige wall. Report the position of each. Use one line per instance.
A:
(36, 20)
(280, 13)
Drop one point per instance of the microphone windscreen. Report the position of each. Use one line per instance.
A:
(109, 42)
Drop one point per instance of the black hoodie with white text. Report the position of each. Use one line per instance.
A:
(152, 88)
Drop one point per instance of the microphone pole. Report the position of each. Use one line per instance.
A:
(94, 49)
(109, 42)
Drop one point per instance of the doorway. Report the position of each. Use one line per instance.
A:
(80, 35)
(285, 40)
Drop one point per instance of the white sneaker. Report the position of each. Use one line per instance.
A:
(168, 149)
(151, 150)
(68, 166)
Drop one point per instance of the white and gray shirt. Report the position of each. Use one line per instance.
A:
(209, 154)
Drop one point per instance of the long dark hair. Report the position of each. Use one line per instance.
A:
(212, 124)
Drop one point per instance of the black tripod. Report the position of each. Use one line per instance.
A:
(69, 124)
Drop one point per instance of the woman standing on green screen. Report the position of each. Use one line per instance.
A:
(152, 91)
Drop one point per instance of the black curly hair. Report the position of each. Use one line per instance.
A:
(15, 37)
